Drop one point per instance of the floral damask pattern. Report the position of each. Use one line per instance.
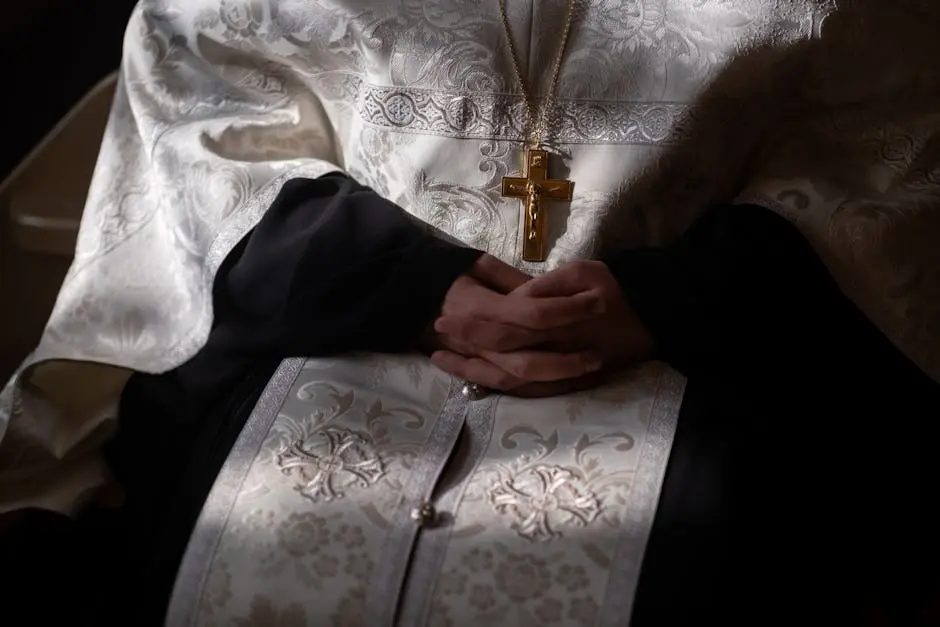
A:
(303, 535)
(264, 613)
(534, 522)
(535, 535)
(516, 589)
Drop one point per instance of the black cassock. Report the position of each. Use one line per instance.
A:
(800, 483)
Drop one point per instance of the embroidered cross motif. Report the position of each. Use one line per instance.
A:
(343, 459)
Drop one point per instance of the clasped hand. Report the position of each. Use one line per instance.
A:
(558, 333)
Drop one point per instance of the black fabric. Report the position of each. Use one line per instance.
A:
(53, 569)
(799, 477)
(331, 267)
(799, 485)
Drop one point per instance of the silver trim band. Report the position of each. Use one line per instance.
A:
(481, 115)
(200, 553)
(638, 522)
(392, 567)
(432, 544)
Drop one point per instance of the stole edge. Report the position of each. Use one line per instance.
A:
(187, 595)
(617, 608)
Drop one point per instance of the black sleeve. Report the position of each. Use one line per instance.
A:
(804, 435)
(331, 267)
(743, 286)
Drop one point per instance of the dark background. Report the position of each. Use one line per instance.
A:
(51, 53)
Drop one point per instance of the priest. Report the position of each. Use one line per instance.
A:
(284, 202)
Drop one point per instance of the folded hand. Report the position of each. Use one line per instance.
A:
(546, 336)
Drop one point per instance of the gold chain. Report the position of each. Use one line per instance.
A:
(534, 135)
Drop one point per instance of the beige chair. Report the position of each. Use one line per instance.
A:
(41, 205)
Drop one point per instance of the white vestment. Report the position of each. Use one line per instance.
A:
(825, 111)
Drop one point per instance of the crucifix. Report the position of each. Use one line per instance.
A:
(532, 188)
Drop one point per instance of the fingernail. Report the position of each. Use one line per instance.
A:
(598, 306)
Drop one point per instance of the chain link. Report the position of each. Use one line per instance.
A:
(536, 120)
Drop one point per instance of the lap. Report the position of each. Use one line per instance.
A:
(715, 539)
(769, 516)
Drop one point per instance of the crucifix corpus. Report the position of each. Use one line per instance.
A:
(533, 188)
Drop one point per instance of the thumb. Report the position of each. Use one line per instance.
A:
(497, 275)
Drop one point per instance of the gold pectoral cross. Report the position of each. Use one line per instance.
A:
(534, 187)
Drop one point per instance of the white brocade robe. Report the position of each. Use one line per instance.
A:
(664, 107)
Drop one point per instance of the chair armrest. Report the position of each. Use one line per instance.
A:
(45, 194)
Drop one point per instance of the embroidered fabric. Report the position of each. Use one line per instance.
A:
(665, 106)
(543, 518)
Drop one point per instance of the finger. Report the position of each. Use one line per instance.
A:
(475, 370)
(498, 275)
(467, 297)
(532, 366)
(575, 277)
(490, 335)
(538, 313)
(456, 345)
